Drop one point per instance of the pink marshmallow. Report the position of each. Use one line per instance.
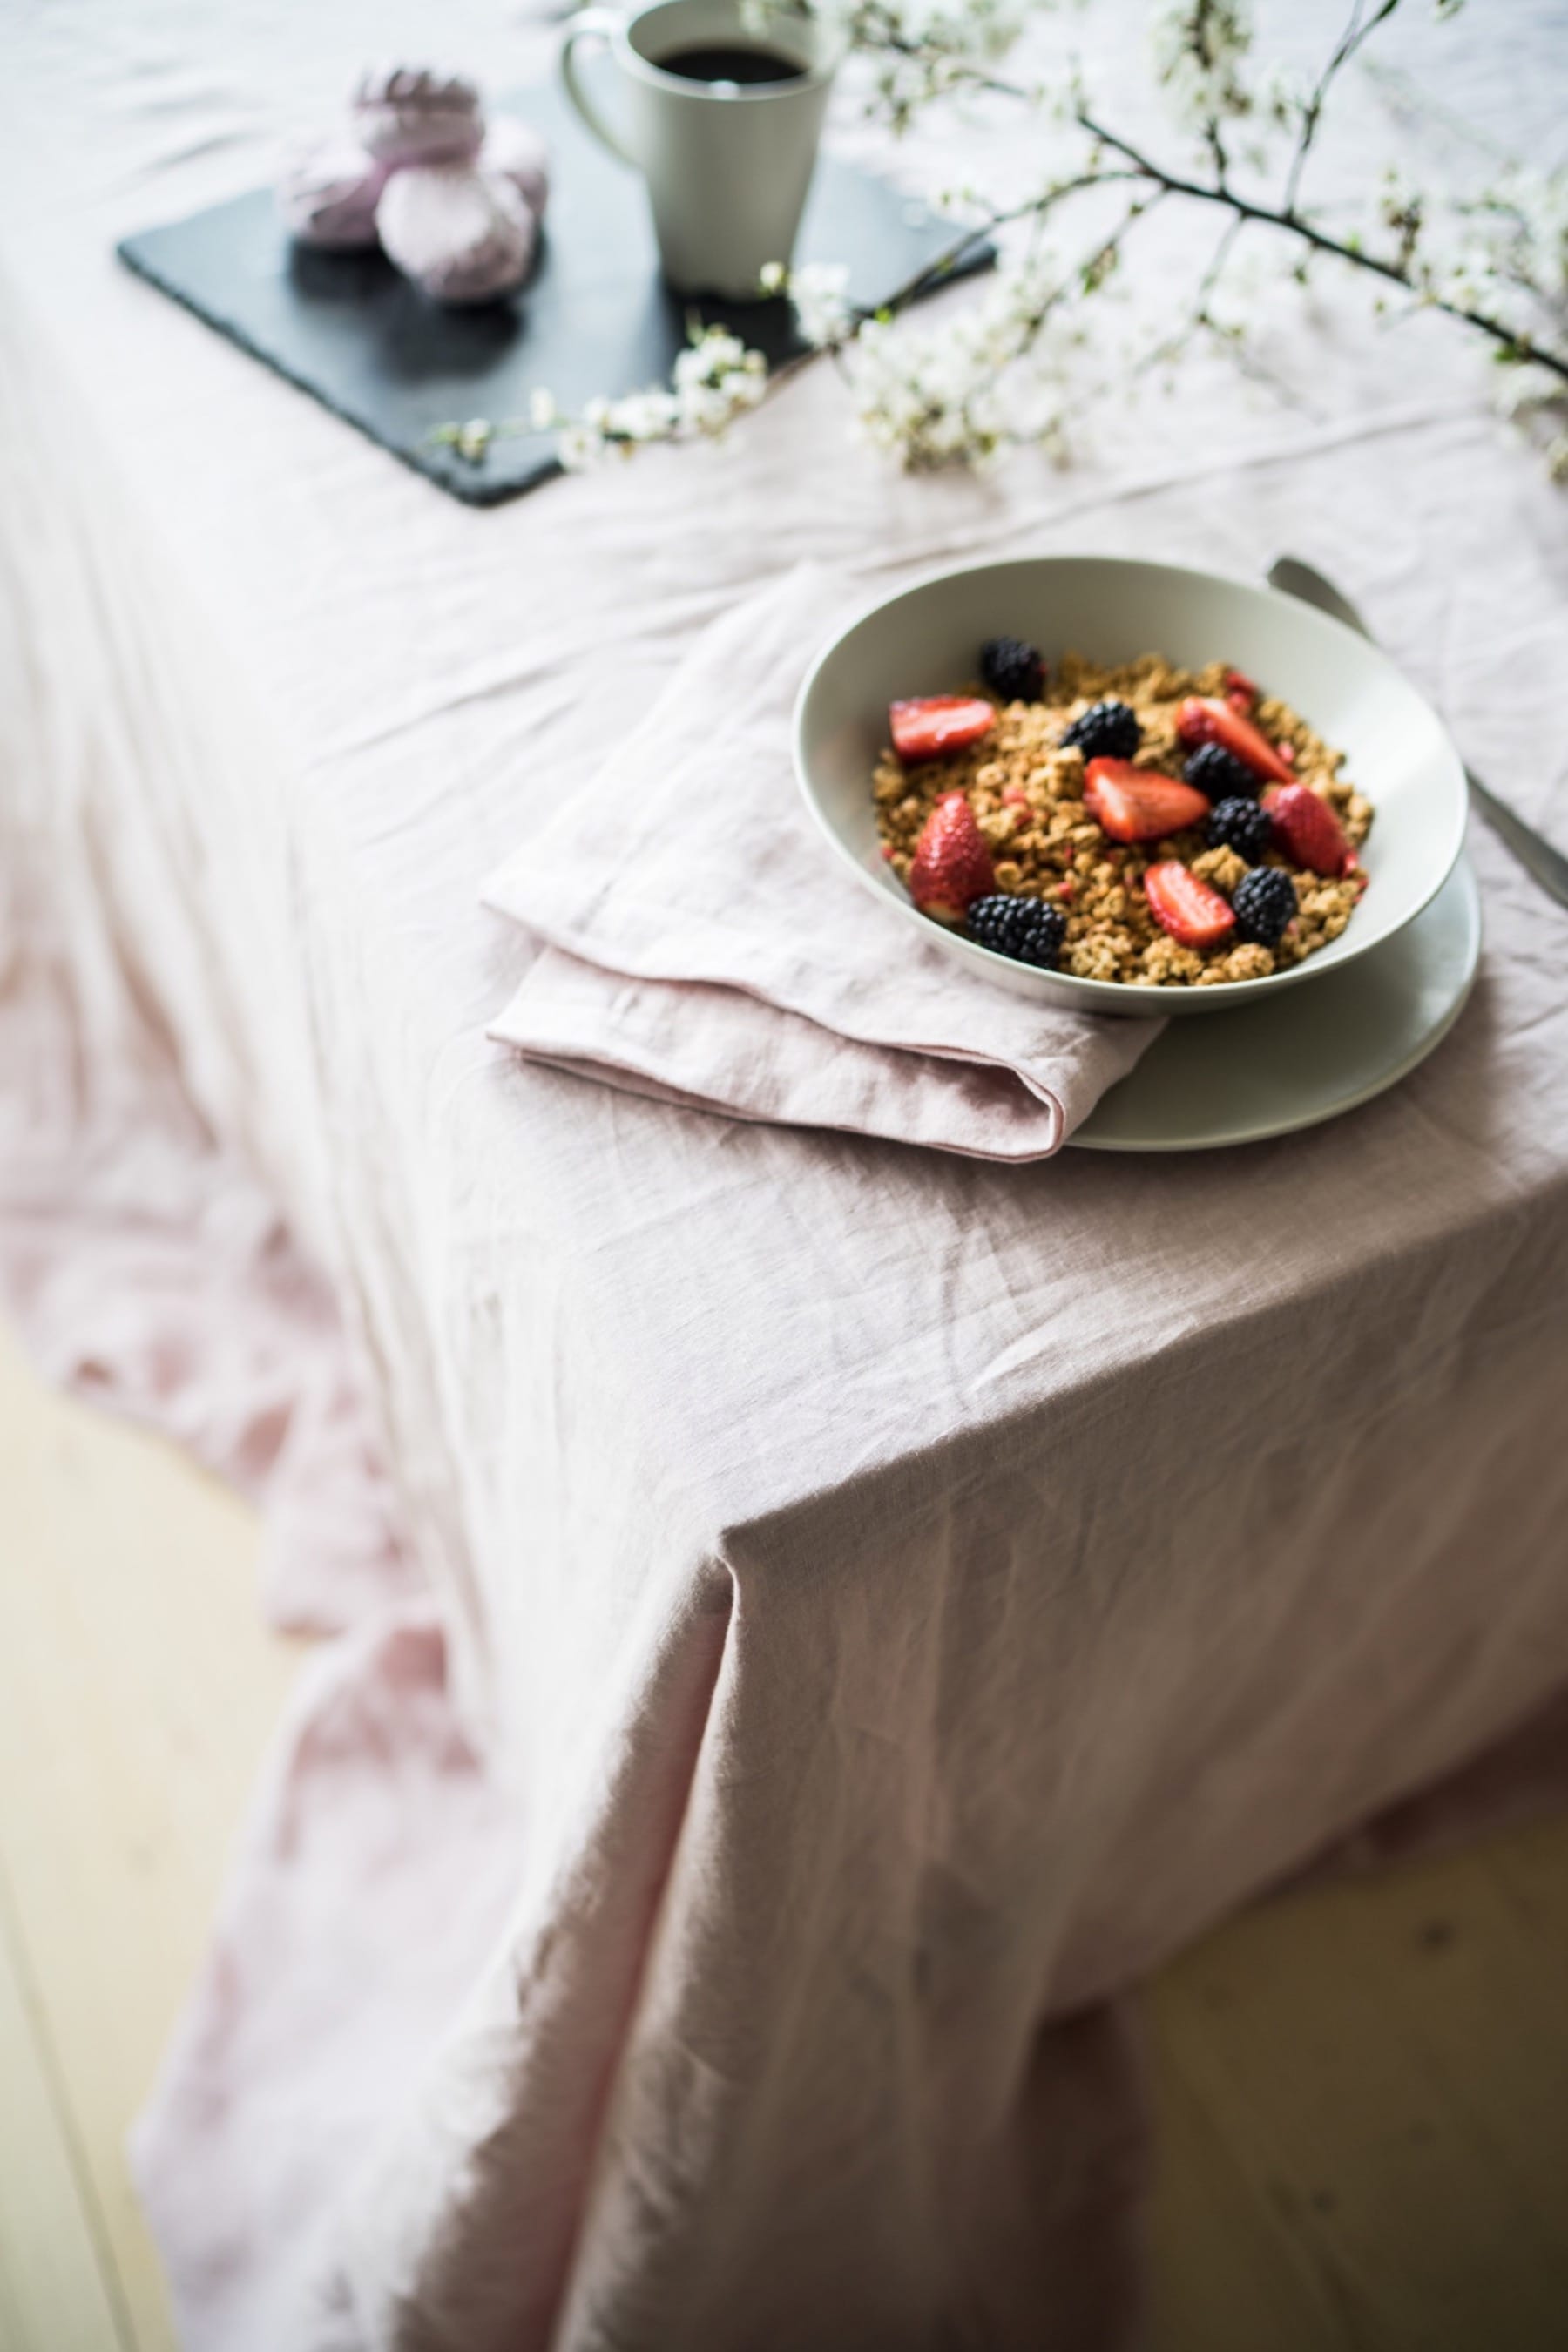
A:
(328, 193)
(462, 233)
(412, 114)
(518, 152)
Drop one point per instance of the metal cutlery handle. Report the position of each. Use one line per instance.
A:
(1534, 853)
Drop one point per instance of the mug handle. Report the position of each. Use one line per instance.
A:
(592, 24)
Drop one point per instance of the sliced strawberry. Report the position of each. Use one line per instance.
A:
(1307, 829)
(951, 864)
(1139, 804)
(936, 724)
(1239, 690)
(1202, 721)
(1186, 908)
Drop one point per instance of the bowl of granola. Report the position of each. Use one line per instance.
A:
(1127, 786)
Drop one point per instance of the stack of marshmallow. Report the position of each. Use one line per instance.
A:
(454, 201)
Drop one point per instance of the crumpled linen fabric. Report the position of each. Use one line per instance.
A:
(377, 1867)
(897, 1598)
(149, 1271)
(703, 947)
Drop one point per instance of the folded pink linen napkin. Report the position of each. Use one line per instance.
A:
(711, 952)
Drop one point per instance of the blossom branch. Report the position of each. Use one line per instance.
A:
(1517, 343)
(1212, 40)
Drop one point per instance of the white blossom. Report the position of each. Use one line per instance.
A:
(1519, 229)
(924, 49)
(1200, 49)
(715, 379)
(819, 293)
(949, 393)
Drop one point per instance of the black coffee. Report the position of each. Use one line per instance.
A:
(703, 64)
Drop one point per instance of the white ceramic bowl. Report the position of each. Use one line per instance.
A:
(927, 640)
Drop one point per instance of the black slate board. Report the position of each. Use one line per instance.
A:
(595, 317)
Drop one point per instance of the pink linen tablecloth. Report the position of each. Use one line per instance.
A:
(879, 1604)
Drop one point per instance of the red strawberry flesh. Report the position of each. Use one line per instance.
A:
(935, 724)
(951, 864)
(1181, 904)
(1199, 720)
(1131, 803)
(1307, 829)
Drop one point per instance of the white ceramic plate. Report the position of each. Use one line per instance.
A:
(1309, 1055)
(927, 641)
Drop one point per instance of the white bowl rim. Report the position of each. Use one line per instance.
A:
(1224, 993)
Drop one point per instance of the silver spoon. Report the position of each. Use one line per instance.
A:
(1549, 866)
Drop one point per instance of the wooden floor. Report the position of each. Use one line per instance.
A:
(1362, 2093)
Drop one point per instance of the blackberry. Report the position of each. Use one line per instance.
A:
(1220, 773)
(1240, 825)
(1012, 669)
(1108, 731)
(1024, 929)
(1265, 902)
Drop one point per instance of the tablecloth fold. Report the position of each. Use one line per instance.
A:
(702, 946)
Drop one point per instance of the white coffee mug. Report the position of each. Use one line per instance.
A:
(728, 163)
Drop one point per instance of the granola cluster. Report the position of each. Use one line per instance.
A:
(1026, 790)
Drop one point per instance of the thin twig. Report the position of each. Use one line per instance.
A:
(1350, 41)
(933, 273)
